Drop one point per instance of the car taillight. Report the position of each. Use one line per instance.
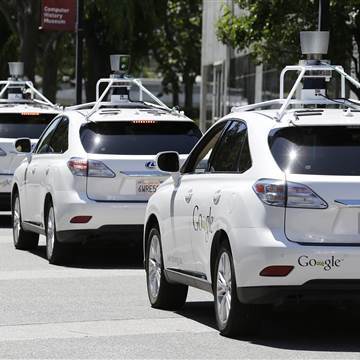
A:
(2, 152)
(99, 169)
(90, 168)
(286, 193)
(78, 167)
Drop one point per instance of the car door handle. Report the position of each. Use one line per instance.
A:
(33, 171)
(188, 196)
(216, 197)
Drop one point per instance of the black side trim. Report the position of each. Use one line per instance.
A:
(112, 232)
(122, 201)
(323, 291)
(36, 228)
(186, 279)
(326, 244)
(190, 273)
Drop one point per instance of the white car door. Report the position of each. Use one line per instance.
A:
(185, 202)
(215, 190)
(34, 176)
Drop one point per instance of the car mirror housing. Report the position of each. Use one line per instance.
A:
(168, 161)
(23, 145)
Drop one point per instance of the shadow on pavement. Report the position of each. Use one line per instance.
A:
(5, 221)
(200, 311)
(312, 328)
(101, 256)
(297, 327)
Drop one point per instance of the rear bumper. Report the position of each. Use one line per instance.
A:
(70, 205)
(116, 233)
(5, 201)
(313, 291)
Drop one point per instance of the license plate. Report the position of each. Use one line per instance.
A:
(146, 186)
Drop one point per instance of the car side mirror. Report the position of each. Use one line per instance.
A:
(23, 145)
(168, 161)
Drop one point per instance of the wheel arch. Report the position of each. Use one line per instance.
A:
(15, 189)
(47, 201)
(219, 238)
(150, 223)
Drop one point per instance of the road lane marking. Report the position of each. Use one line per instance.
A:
(103, 328)
(68, 273)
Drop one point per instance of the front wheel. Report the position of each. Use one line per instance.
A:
(162, 294)
(23, 240)
(233, 317)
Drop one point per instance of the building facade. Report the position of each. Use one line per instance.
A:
(229, 78)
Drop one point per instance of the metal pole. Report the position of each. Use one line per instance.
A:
(323, 19)
(79, 50)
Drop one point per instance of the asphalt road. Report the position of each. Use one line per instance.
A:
(98, 308)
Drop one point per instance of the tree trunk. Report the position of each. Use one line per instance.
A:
(189, 89)
(175, 93)
(28, 18)
(50, 67)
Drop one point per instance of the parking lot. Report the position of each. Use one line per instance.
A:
(97, 307)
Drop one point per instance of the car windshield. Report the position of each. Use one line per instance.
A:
(318, 150)
(139, 137)
(29, 125)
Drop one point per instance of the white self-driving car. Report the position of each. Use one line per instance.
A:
(93, 170)
(24, 112)
(266, 208)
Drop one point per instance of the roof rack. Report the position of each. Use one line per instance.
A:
(118, 85)
(121, 82)
(316, 73)
(17, 87)
(303, 69)
(6, 84)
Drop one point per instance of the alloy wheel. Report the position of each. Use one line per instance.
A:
(223, 288)
(50, 233)
(154, 266)
(16, 220)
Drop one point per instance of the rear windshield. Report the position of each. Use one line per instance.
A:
(23, 125)
(318, 150)
(139, 138)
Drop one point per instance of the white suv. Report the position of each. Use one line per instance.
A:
(24, 112)
(265, 209)
(92, 172)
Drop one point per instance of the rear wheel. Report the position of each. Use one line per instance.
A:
(55, 251)
(232, 317)
(23, 240)
(162, 294)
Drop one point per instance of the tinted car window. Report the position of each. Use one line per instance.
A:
(227, 155)
(23, 125)
(42, 146)
(245, 156)
(320, 150)
(139, 138)
(198, 161)
(59, 140)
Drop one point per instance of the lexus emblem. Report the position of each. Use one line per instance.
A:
(150, 164)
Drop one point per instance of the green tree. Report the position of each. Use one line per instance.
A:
(176, 46)
(113, 26)
(270, 30)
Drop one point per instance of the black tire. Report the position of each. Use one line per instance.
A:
(242, 319)
(23, 240)
(56, 252)
(168, 296)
